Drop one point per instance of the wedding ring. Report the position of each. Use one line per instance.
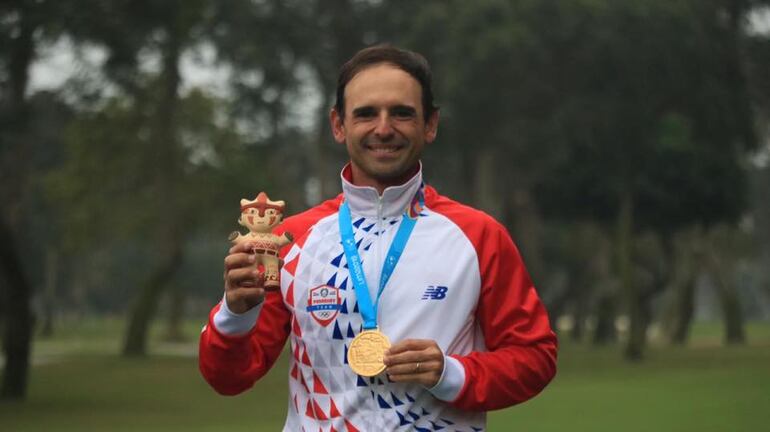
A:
(417, 367)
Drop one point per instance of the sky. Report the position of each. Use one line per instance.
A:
(60, 61)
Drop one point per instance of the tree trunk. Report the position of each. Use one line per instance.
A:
(485, 191)
(320, 153)
(19, 320)
(579, 313)
(49, 292)
(762, 211)
(143, 309)
(79, 289)
(728, 295)
(633, 301)
(167, 173)
(688, 255)
(605, 332)
(684, 312)
(175, 331)
(14, 120)
(733, 316)
(527, 230)
(606, 289)
(742, 109)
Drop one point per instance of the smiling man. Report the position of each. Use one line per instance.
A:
(385, 126)
(404, 309)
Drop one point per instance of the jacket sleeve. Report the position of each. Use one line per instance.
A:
(521, 347)
(232, 364)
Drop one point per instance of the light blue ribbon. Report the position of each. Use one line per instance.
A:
(365, 306)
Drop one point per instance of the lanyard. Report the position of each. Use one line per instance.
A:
(369, 310)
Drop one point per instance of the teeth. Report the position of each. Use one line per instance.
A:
(384, 149)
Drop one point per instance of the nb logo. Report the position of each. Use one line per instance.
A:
(435, 293)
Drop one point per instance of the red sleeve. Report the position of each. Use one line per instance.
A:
(232, 364)
(521, 347)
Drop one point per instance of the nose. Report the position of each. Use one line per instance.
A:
(383, 129)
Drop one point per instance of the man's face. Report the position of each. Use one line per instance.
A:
(383, 127)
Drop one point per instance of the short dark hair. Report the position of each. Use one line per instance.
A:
(410, 62)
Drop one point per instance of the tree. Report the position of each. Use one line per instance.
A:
(159, 149)
(19, 44)
(125, 28)
(649, 138)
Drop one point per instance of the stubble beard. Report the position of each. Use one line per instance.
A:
(389, 172)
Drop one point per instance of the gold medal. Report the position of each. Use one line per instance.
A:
(366, 351)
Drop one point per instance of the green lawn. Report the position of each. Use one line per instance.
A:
(79, 384)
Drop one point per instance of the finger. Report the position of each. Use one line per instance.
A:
(239, 259)
(410, 377)
(246, 277)
(272, 288)
(409, 345)
(416, 368)
(423, 351)
(408, 357)
(244, 247)
(246, 296)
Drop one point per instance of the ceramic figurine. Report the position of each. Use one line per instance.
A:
(260, 216)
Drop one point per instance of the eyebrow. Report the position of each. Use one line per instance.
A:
(404, 109)
(364, 110)
(369, 110)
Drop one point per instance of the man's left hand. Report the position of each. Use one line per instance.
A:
(415, 360)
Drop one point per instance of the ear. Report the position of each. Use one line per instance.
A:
(338, 128)
(244, 202)
(431, 127)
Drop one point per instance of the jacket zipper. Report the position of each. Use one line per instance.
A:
(380, 261)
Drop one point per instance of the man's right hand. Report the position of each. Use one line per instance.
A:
(244, 284)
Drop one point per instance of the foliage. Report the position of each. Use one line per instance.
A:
(658, 117)
(107, 183)
(555, 115)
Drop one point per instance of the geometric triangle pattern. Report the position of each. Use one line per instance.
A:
(325, 394)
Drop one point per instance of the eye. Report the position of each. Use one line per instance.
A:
(271, 212)
(252, 211)
(403, 113)
(364, 113)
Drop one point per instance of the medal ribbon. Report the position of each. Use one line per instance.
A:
(365, 306)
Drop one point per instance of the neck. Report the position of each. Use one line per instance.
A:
(389, 201)
(359, 178)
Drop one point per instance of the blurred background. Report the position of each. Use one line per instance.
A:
(625, 145)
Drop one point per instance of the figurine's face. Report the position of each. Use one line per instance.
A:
(251, 219)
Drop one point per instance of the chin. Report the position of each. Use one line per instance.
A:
(393, 174)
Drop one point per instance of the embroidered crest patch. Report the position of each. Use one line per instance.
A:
(324, 303)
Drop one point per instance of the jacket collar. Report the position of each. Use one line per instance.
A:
(364, 200)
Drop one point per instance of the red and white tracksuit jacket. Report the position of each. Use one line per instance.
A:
(460, 282)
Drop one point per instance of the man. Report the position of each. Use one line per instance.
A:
(388, 259)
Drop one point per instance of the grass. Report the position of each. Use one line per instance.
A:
(703, 389)
(78, 383)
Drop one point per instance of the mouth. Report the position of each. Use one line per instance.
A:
(384, 149)
(254, 222)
